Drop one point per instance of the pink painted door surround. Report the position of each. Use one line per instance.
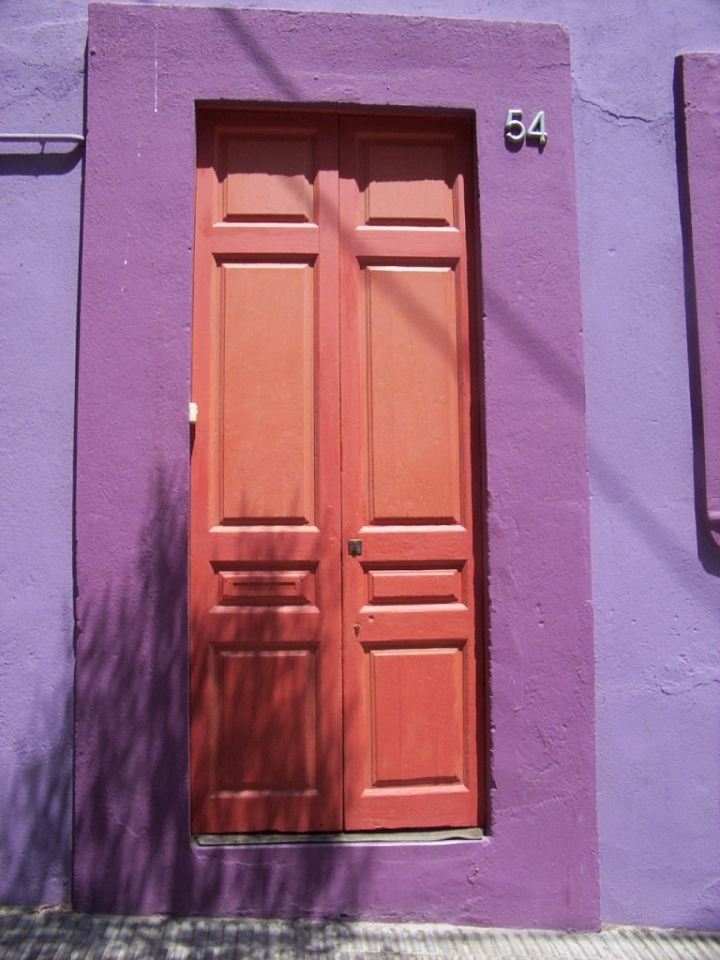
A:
(149, 66)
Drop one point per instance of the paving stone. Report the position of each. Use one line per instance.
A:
(56, 934)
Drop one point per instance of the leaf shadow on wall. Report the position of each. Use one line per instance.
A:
(134, 851)
(35, 834)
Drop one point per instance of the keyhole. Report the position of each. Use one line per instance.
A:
(356, 628)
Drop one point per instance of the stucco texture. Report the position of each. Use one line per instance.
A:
(655, 588)
(42, 49)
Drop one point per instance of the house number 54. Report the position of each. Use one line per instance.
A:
(516, 134)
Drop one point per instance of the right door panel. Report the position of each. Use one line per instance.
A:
(410, 666)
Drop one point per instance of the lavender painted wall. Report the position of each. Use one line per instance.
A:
(655, 592)
(42, 54)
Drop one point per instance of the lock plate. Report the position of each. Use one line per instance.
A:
(355, 548)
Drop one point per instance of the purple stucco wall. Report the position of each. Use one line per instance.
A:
(655, 587)
(42, 56)
(656, 594)
(132, 845)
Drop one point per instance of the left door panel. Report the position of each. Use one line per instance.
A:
(266, 727)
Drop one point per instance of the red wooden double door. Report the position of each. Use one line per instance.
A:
(334, 665)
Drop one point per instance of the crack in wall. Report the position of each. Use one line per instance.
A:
(616, 115)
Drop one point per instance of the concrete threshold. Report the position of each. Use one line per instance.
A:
(372, 837)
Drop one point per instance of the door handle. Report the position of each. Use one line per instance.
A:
(355, 548)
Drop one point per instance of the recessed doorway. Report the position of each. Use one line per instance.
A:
(335, 646)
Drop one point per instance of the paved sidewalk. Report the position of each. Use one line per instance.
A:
(54, 934)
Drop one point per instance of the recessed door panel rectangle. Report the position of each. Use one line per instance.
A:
(412, 394)
(417, 716)
(268, 179)
(408, 182)
(266, 588)
(267, 708)
(267, 438)
(414, 586)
